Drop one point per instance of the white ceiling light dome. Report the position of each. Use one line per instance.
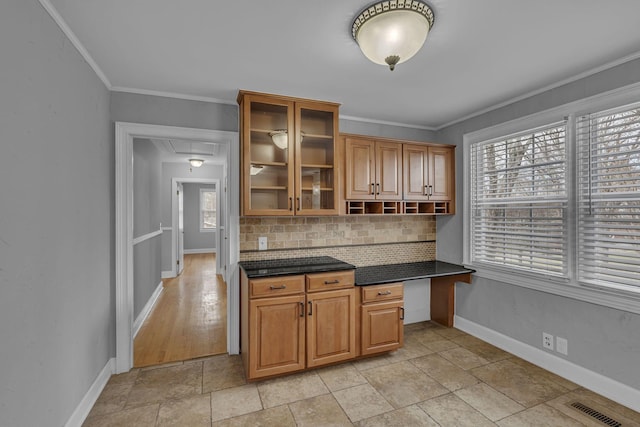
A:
(391, 32)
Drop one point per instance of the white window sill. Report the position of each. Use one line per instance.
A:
(208, 230)
(626, 301)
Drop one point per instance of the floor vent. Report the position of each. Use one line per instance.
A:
(596, 414)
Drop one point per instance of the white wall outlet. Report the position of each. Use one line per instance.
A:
(562, 345)
(547, 341)
(262, 243)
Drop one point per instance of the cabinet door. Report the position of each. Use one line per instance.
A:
(360, 169)
(382, 327)
(388, 171)
(316, 161)
(267, 156)
(331, 327)
(441, 173)
(415, 159)
(276, 335)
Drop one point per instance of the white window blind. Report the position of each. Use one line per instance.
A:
(519, 201)
(609, 198)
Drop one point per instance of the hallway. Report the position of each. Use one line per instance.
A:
(189, 320)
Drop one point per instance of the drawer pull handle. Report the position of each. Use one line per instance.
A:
(384, 293)
(402, 315)
(310, 308)
(331, 282)
(301, 309)
(273, 288)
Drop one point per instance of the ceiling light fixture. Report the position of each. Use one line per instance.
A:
(392, 31)
(196, 163)
(280, 138)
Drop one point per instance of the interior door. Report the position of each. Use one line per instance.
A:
(180, 249)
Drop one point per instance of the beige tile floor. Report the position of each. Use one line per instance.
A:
(441, 377)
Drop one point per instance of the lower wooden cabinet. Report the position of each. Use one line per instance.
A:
(292, 323)
(285, 329)
(381, 319)
(331, 327)
(276, 335)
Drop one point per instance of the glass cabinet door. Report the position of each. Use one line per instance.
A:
(268, 157)
(316, 172)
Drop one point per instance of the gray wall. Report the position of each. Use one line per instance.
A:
(147, 177)
(601, 339)
(158, 110)
(193, 238)
(57, 292)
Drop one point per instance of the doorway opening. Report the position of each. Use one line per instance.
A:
(125, 133)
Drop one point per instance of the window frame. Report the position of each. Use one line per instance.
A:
(568, 287)
(201, 208)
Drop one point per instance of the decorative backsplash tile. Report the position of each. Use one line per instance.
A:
(360, 240)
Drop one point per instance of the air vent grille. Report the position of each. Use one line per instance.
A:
(596, 414)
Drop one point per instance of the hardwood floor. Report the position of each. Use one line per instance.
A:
(189, 320)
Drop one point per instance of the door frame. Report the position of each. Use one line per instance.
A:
(124, 135)
(174, 217)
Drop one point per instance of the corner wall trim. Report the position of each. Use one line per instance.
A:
(607, 387)
(84, 407)
(146, 310)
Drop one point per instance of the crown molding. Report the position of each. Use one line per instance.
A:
(384, 122)
(172, 95)
(46, 4)
(555, 85)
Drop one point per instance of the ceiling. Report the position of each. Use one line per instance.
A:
(180, 151)
(480, 54)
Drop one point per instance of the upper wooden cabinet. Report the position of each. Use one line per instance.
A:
(428, 172)
(373, 169)
(289, 155)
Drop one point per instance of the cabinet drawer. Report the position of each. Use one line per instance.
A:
(382, 292)
(272, 286)
(329, 281)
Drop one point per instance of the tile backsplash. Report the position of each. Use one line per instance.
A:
(360, 240)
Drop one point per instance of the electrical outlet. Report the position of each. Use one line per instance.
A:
(562, 345)
(262, 243)
(547, 341)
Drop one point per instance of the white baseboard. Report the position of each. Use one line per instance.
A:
(84, 407)
(607, 387)
(167, 274)
(146, 310)
(200, 251)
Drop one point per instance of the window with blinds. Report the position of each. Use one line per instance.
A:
(609, 198)
(519, 201)
(207, 210)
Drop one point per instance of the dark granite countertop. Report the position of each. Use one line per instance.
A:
(380, 274)
(288, 266)
(373, 275)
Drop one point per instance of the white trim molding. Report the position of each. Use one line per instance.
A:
(46, 4)
(91, 396)
(200, 251)
(146, 310)
(607, 387)
(147, 236)
(167, 274)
